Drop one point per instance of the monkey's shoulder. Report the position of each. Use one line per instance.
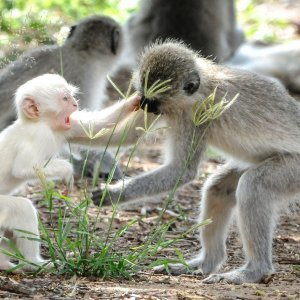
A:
(47, 59)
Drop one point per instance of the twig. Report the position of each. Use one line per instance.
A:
(10, 285)
(289, 261)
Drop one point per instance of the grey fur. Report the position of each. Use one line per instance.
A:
(260, 136)
(279, 61)
(207, 26)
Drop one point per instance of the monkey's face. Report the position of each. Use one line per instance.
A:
(47, 98)
(97, 33)
(173, 64)
(67, 104)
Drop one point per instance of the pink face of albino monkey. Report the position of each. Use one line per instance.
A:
(69, 105)
(47, 98)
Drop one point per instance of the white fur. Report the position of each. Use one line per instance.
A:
(33, 143)
(24, 146)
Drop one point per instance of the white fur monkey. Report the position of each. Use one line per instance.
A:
(259, 134)
(44, 106)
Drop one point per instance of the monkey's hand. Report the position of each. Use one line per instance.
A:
(47, 264)
(107, 195)
(62, 169)
(98, 164)
(132, 104)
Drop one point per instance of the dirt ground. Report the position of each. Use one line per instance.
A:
(284, 284)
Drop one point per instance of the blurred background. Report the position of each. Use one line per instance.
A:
(25, 24)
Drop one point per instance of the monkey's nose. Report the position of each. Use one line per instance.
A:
(152, 105)
(75, 103)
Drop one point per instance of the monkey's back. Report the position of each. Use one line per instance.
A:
(263, 120)
(28, 66)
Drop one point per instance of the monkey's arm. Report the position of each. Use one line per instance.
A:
(180, 169)
(118, 131)
(31, 156)
(54, 169)
(152, 183)
(105, 118)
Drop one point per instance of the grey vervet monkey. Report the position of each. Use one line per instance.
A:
(207, 26)
(280, 61)
(259, 134)
(89, 53)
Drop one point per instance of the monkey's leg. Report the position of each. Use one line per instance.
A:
(218, 199)
(260, 192)
(18, 213)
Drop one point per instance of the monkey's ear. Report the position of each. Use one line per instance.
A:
(191, 83)
(72, 30)
(115, 40)
(30, 108)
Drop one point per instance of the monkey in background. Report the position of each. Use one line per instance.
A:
(281, 61)
(207, 26)
(87, 56)
(47, 119)
(89, 53)
(210, 28)
(259, 134)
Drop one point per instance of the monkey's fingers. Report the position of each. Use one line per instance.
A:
(97, 195)
(134, 102)
(105, 196)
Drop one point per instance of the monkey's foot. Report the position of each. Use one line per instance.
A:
(41, 264)
(98, 164)
(197, 265)
(174, 269)
(21, 268)
(6, 265)
(239, 276)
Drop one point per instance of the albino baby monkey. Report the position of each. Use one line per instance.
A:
(44, 107)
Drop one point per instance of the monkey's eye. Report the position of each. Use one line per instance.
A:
(191, 83)
(189, 88)
(66, 98)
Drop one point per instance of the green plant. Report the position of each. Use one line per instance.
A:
(158, 87)
(26, 24)
(261, 26)
(207, 110)
(74, 244)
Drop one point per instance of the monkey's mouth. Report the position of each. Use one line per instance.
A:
(67, 121)
(64, 121)
(152, 105)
